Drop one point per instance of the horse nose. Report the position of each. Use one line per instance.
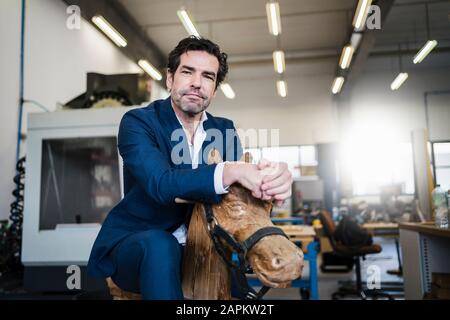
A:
(281, 262)
(278, 263)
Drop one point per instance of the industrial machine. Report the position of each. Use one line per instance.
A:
(113, 90)
(73, 179)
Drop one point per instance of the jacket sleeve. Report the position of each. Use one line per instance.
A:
(152, 170)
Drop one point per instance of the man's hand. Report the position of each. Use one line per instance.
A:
(277, 181)
(267, 180)
(247, 174)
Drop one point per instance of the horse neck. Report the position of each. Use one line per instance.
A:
(205, 275)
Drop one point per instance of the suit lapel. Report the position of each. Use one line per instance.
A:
(170, 123)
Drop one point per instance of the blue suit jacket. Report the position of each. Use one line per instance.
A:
(152, 180)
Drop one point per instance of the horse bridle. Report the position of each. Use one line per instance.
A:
(216, 233)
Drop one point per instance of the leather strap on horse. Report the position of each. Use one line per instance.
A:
(248, 243)
(241, 248)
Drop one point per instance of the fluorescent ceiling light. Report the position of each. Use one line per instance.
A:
(282, 88)
(362, 10)
(426, 49)
(398, 81)
(337, 85)
(187, 22)
(278, 61)
(227, 90)
(346, 57)
(150, 69)
(109, 30)
(273, 17)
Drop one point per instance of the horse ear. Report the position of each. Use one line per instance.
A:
(214, 156)
(247, 157)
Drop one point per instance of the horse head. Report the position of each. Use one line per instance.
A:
(275, 260)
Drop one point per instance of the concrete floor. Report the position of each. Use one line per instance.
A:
(329, 282)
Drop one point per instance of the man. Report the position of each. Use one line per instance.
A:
(141, 241)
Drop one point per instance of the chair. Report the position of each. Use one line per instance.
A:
(356, 254)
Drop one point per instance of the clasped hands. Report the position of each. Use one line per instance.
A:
(266, 180)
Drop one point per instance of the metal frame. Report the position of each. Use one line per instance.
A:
(433, 163)
(435, 258)
(311, 283)
(422, 255)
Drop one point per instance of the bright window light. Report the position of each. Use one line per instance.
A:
(375, 159)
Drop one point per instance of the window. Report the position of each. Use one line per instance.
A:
(308, 156)
(308, 161)
(441, 165)
(80, 180)
(376, 166)
(301, 160)
(256, 154)
(290, 155)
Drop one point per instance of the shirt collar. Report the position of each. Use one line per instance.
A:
(202, 119)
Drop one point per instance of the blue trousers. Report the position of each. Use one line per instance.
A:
(149, 263)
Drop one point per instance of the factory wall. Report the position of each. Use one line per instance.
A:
(56, 60)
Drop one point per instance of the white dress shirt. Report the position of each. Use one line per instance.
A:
(194, 150)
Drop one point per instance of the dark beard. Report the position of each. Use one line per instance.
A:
(188, 110)
(192, 114)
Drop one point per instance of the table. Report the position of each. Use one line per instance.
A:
(292, 220)
(425, 250)
(381, 227)
(301, 234)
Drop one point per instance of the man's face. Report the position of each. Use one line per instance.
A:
(193, 84)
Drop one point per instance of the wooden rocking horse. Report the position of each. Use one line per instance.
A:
(240, 223)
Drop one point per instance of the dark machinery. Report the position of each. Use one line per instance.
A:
(112, 91)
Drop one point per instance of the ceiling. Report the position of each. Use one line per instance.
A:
(310, 28)
(313, 34)
(240, 27)
(406, 23)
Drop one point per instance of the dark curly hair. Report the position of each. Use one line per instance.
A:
(194, 43)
